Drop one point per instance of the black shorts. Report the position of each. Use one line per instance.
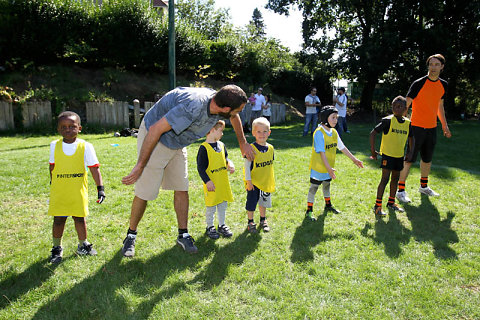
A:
(391, 163)
(424, 141)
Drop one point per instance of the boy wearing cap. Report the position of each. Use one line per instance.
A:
(325, 143)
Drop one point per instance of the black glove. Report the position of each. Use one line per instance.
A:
(101, 194)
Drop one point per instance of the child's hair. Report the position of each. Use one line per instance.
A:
(219, 124)
(438, 56)
(261, 121)
(399, 102)
(68, 114)
(268, 98)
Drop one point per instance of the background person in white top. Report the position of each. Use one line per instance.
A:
(258, 106)
(311, 116)
(341, 104)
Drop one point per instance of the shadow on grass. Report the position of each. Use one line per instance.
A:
(308, 235)
(391, 233)
(427, 227)
(112, 291)
(16, 285)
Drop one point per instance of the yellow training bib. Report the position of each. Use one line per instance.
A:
(393, 143)
(316, 162)
(262, 173)
(218, 173)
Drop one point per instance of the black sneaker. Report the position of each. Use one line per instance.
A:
(264, 225)
(212, 233)
(57, 253)
(378, 212)
(252, 227)
(186, 241)
(309, 215)
(332, 209)
(395, 207)
(224, 230)
(128, 249)
(86, 250)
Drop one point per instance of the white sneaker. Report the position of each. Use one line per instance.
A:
(403, 197)
(428, 191)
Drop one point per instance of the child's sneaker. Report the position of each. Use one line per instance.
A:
(57, 253)
(332, 209)
(428, 191)
(212, 233)
(395, 207)
(309, 215)
(128, 249)
(378, 212)
(186, 241)
(264, 225)
(86, 250)
(224, 230)
(252, 228)
(403, 197)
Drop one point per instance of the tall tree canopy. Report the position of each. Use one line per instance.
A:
(257, 25)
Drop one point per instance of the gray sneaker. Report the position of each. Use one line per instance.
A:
(428, 191)
(212, 233)
(403, 197)
(57, 253)
(128, 249)
(224, 230)
(86, 249)
(186, 241)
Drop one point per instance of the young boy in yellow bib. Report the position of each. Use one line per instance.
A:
(69, 158)
(259, 176)
(326, 141)
(212, 166)
(395, 129)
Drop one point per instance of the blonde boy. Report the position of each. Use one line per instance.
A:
(212, 166)
(259, 175)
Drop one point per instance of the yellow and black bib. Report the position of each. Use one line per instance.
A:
(69, 189)
(218, 173)
(262, 173)
(316, 162)
(393, 143)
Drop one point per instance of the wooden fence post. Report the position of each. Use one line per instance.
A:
(136, 113)
(6, 115)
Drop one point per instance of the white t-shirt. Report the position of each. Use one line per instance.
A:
(70, 148)
(268, 111)
(342, 111)
(311, 100)
(259, 100)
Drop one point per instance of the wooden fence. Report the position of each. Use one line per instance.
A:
(278, 113)
(6, 116)
(36, 113)
(108, 113)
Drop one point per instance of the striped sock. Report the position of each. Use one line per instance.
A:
(378, 202)
(391, 200)
(401, 186)
(328, 203)
(423, 182)
(309, 206)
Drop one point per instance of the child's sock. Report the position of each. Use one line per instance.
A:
(378, 202)
(391, 201)
(250, 221)
(262, 219)
(310, 206)
(328, 203)
(424, 182)
(57, 242)
(130, 231)
(401, 186)
(181, 232)
(83, 242)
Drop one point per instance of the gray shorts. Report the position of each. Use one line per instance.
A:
(166, 168)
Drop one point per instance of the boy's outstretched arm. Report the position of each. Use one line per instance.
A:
(357, 162)
(331, 171)
(97, 177)
(374, 153)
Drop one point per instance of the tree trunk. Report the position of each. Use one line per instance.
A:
(367, 93)
(449, 104)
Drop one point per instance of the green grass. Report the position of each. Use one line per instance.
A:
(424, 264)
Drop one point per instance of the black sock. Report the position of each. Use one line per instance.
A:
(130, 231)
(250, 221)
(262, 219)
(181, 232)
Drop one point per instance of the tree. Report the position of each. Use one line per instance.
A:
(257, 26)
(204, 18)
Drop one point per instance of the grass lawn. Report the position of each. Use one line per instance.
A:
(423, 264)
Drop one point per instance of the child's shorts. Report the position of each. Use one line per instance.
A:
(391, 163)
(255, 196)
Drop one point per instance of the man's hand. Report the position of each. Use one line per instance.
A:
(101, 194)
(446, 132)
(133, 176)
(210, 186)
(247, 151)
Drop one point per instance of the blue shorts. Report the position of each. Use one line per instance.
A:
(255, 196)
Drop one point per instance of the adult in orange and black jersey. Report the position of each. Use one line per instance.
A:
(426, 95)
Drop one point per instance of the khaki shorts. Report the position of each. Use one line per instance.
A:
(166, 168)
